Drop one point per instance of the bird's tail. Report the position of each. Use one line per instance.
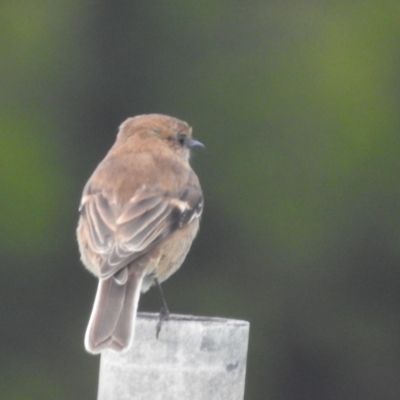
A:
(113, 316)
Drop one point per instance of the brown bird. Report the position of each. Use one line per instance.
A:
(139, 214)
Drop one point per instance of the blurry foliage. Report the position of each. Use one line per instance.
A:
(297, 103)
(32, 187)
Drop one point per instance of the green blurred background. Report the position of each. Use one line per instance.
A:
(298, 105)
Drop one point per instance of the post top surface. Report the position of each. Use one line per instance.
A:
(193, 318)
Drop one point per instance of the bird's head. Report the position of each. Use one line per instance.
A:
(175, 133)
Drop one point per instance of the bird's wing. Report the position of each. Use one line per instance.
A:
(120, 234)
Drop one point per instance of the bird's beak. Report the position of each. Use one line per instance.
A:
(194, 144)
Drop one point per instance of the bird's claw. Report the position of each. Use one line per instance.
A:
(164, 315)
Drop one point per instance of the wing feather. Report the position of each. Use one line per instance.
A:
(122, 233)
(130, 229)
(137, 206)
(99, 232)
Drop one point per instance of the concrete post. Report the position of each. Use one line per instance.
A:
(194, 358)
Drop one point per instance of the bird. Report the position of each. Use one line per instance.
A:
(139, 214)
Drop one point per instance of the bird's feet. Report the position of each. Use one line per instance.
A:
(164, 315)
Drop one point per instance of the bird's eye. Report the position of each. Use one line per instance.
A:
(182, 139)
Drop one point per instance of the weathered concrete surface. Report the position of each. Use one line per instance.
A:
(194, 358)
